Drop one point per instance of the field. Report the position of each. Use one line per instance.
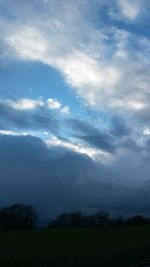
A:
(103, 247)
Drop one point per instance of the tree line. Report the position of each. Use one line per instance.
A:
(98, 219)
(24, 217)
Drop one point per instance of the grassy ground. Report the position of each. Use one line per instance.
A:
(104, 247)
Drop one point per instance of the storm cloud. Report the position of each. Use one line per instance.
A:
(92, 135)
(56, 179)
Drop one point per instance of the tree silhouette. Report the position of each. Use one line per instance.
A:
(101, 218)
(18, 216)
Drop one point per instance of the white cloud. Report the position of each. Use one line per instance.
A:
(23, 103)
(146, 132)
(95, 154)
(53, 103)
(107, 67)
(27, 42)
(81, 70)
(136, 105)
(14, 133)
(129, 8)
(8, 132)
(66, 110)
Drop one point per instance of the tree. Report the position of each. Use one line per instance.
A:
(73, 219)
(101, 218)
(18, 216)
(138, 219)
(77, 219)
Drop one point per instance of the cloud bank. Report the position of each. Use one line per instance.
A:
(56, 179)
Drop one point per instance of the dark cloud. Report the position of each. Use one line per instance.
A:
(92, 135)
(142, 119)
(55, 179)
(119, 127)
(47, 178)
(116, 137)
(101, 141)
(36, 119)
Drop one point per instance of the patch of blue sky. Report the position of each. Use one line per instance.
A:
(141, 29)
(35, 80)
(139, 26)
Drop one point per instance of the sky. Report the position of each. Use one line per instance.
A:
(74, 105)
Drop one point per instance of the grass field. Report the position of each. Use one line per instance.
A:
(112, 246)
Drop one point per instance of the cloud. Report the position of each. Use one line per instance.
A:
(108, 140)
(119, 127)
(23, 104)
(13, 133)
(55, 178)
(91, 152)
(93, 136)
(31, 114)
(106, 66)
(37, 179)
(53, 103)
(129, 9)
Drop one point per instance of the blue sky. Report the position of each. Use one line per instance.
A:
(74, 87)
(35, 80)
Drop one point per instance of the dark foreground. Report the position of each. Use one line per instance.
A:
(103, 247)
